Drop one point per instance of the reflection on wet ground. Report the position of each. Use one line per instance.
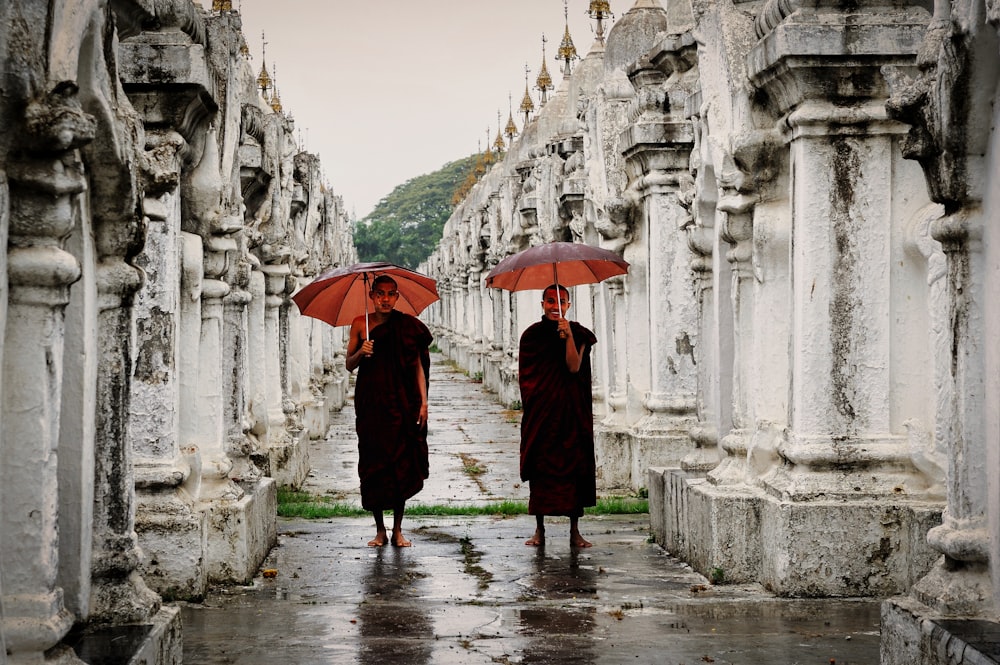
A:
(469, 591)
(399, 634)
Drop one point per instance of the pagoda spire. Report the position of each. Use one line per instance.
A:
(263, 78)
(544, 82)
(498, 142)
(511, 129)
(600, 10)
(567, 51)
(275, 100)
(527, 104)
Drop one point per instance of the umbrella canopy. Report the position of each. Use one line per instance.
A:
(340, 294)
(563, 263)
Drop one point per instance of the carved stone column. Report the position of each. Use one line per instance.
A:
(657, 149)
(43, 200)
(171, 526)
(172, 531)
(705, 433)
(845, 461)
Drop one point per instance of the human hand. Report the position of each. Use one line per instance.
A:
(564, 329)
(367, 348)
(422, 416)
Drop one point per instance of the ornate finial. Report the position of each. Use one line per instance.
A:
(263, 79)
(275, 100)
(544, 82)
(511, 129)
(567, 52)
(498, 142)
(600, 10)
(488, 157)
(527, 105)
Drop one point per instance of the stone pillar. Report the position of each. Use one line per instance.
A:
(616, 341)
(239, 446)
(960, 582)
(43, 200)
(712, 409)
(172, 531)
(257, 371)
(216, 465)
(846, 468)
(657, 151)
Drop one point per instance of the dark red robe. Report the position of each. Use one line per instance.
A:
(557, 426)
(392, 450)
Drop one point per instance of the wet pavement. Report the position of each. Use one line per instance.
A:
(469, 591)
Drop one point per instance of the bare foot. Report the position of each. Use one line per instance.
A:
(576, 540)
(399, 541)
(537, 540)
(379, 540)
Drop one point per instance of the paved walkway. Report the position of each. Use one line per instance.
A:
(469, 591)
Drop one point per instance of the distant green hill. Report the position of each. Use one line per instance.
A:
(405, 226)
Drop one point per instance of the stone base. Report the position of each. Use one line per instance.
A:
(613, 455)
(316, 418)
(863, 548)
(288, 460)
(173, 537)
(715, 530)
(155, 643)
(911, 634)
(241, 533)
(624, 456)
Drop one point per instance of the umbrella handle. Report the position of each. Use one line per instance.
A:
(364, 276)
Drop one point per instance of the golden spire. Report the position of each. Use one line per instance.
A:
(544, 82)
(263, 79)
(488, 153)
(527, 105)
(275, 100)
(567, 52)
(498, 142)
(600, 10)
(511, 129)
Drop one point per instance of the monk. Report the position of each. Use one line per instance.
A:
(557, 426)
(390, 403)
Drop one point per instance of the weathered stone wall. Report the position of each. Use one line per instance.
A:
(795, 366)
(157, 382)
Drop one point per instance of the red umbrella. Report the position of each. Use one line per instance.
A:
(340, 294)
(562, 263)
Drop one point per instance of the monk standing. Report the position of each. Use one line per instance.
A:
(390, 403)
(557, 426)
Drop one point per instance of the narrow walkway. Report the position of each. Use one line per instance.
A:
(469, 591)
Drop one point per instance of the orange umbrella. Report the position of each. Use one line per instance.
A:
(562, 263)
(340, 294)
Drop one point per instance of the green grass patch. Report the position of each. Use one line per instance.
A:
(619, 505)
(315, 507)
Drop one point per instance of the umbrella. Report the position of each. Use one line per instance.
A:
(562, 263)
(340, 294)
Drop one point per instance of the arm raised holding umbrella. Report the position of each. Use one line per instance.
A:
(557, 426)
(389, 347)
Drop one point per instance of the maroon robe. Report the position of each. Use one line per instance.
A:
(557, 426)
(392, 450)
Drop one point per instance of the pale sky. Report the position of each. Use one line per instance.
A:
(387, 90)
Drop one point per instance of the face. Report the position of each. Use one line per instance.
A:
(555, 309)
(384, 295)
